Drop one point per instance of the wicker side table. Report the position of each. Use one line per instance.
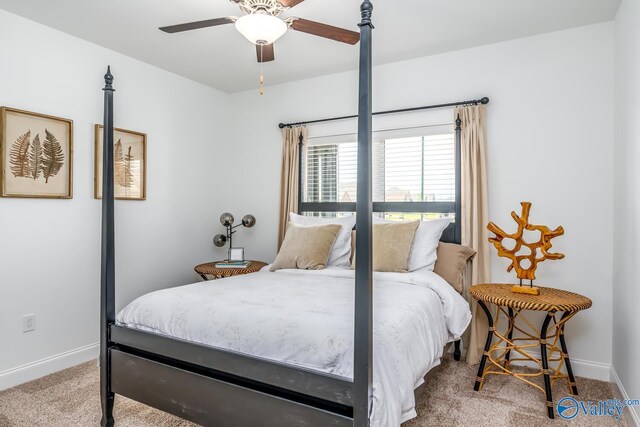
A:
(497, 356)
(209, 269)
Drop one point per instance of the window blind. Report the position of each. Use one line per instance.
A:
(419, 168)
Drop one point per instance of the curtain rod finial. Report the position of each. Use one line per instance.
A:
(281, 125)
(484, 100)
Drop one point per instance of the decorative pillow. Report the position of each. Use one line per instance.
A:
(392, 246)
(452, 260)
(306, 247)
(341, 250)
(425, 244)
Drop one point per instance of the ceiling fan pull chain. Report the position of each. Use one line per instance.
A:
(261, 70)
(261, 84)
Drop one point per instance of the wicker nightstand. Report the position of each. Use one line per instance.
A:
(209, 269)
(513, 305)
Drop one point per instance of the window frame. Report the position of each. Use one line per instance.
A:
(452, 234)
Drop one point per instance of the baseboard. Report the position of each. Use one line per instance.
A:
(581, 368)
(31, 371)
(632, 413)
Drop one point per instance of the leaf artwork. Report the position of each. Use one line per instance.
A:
(118, 163)
(19, 156)
(531, 249)
(35, 158)
(128, 175)
(53, 157)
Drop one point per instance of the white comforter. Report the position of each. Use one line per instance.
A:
(305, 318)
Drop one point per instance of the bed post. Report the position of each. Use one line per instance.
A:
(363, 329)
(300, 156)
(457, 236)
(107, 279)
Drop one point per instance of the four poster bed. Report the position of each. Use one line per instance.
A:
(259, 365)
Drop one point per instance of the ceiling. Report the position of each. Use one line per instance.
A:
(222, 58)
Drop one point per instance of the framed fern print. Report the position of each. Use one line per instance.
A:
(130, 164)
(36, 155)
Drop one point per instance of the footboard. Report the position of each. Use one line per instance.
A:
(326, 389)
(201, 399)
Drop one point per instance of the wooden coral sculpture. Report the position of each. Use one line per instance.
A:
(535, 253)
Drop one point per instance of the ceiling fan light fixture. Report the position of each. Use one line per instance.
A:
(261, 28)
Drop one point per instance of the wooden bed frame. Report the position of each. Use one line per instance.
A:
(212, 386)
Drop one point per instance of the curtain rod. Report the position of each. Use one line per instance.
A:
(483, 101)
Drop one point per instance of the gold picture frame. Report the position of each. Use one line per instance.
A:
(36, 155)
(130, 168)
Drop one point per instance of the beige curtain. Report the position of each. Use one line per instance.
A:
(475, 217)
(289, 175)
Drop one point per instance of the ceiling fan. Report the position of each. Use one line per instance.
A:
(262, 25)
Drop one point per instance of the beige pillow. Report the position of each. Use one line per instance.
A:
(306, 247)
(451, 262)
(392, 246)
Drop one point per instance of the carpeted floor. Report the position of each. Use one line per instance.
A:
(70, 398)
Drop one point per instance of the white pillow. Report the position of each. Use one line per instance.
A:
(341, 249)
(424, 251)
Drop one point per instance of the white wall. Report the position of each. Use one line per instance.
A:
(550, 124)
(626, 286)
(50, 249)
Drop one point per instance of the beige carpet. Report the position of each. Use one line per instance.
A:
(70, 398)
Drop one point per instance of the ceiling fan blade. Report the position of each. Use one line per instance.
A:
(324, 30)
(198, 24)
(265, 52)
(290, 3)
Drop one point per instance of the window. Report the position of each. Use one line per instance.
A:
(413, 175)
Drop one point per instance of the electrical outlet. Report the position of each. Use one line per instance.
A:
(28, 323)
